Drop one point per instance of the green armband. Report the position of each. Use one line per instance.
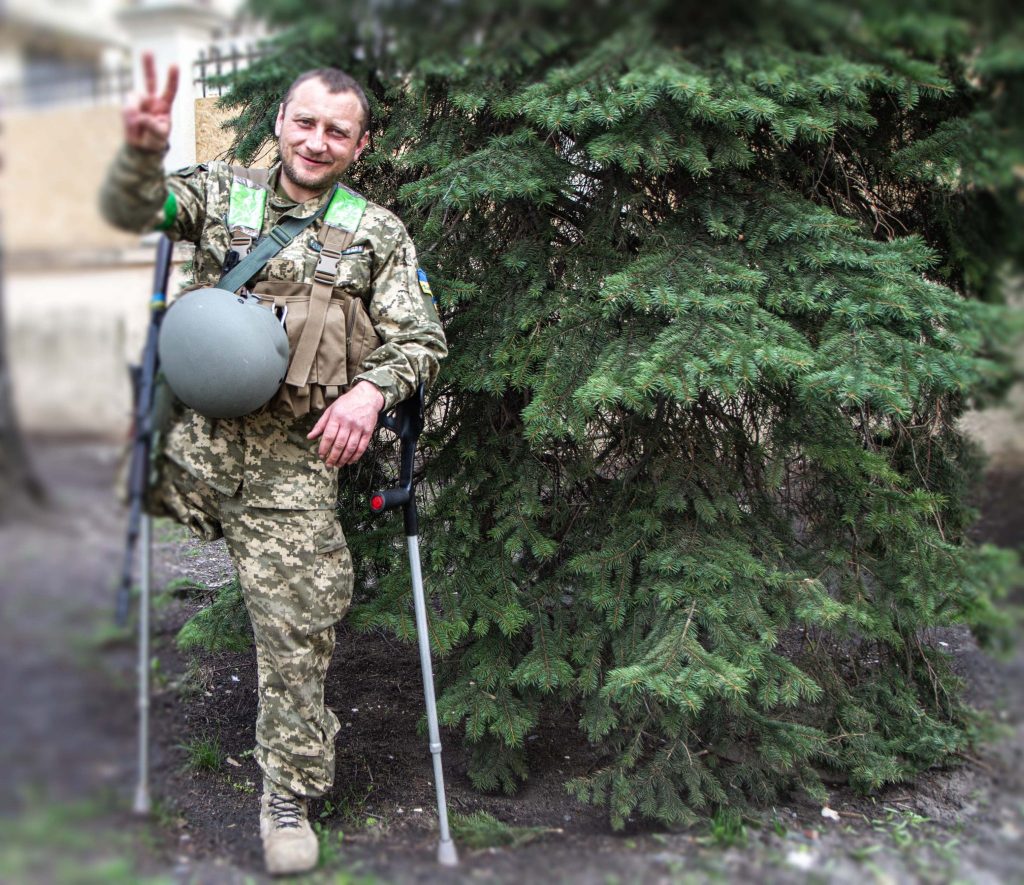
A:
(170, 212)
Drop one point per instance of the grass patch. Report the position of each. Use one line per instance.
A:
(194, 679)
(182, 588)
(203, 754)
(350, 810)
(726, 828)
(330, 844)
(167, 531)
(105, 635)
(333, 868)
(901, 826)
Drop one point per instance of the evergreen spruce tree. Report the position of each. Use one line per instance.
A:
(718, 282)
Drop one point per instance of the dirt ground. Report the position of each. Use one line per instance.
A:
(67, 748)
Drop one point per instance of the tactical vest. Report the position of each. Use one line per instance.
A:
(330, 334)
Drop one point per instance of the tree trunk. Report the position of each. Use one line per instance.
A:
(20, 490)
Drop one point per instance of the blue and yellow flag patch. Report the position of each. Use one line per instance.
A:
(428, 296)
(421, 275)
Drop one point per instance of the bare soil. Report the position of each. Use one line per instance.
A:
(67, 747)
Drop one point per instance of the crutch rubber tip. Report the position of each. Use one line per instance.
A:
(447, 856)
(141, 805)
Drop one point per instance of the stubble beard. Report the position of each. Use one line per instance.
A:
(308, 182)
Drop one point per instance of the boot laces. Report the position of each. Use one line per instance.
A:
(285, 810)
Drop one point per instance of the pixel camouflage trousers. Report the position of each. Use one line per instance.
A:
(296, 576)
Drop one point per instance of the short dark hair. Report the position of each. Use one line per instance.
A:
(336, 81)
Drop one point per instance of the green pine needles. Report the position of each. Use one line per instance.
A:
(222, 626)
(718, 284)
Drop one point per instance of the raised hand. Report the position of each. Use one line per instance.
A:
(147, 117)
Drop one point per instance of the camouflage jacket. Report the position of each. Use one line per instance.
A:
(267, 453)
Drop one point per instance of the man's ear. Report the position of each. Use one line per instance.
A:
(363, 142)
(279, 122)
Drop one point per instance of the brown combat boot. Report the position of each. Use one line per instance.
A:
(289, 843)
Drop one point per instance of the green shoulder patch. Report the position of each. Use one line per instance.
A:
(246, 205)
(345, 210)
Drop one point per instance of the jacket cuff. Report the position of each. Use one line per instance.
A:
(384, 381)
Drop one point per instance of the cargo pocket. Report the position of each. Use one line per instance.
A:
(333, 576)
(292, 300)
(283, 270)
(288, 300)
(351, 292)
(355, 272)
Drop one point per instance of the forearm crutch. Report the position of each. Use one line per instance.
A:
(407, 423)
(139, 523)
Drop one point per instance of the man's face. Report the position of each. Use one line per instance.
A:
(318, 136)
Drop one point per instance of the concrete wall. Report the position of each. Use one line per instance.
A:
(213, 141)
(53, 164)
(76, 291)
(71, 335)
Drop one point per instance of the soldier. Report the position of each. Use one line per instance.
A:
(267, 481)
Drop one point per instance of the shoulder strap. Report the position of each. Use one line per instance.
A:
(266, 249)
(334, 243)
(344, 214)
(247, 203)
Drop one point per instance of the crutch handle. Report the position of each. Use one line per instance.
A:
(389, 499)
(407, 423)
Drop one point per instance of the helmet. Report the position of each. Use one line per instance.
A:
(222, 354)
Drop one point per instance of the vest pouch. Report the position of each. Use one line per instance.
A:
(363, 339)
(348, 338)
